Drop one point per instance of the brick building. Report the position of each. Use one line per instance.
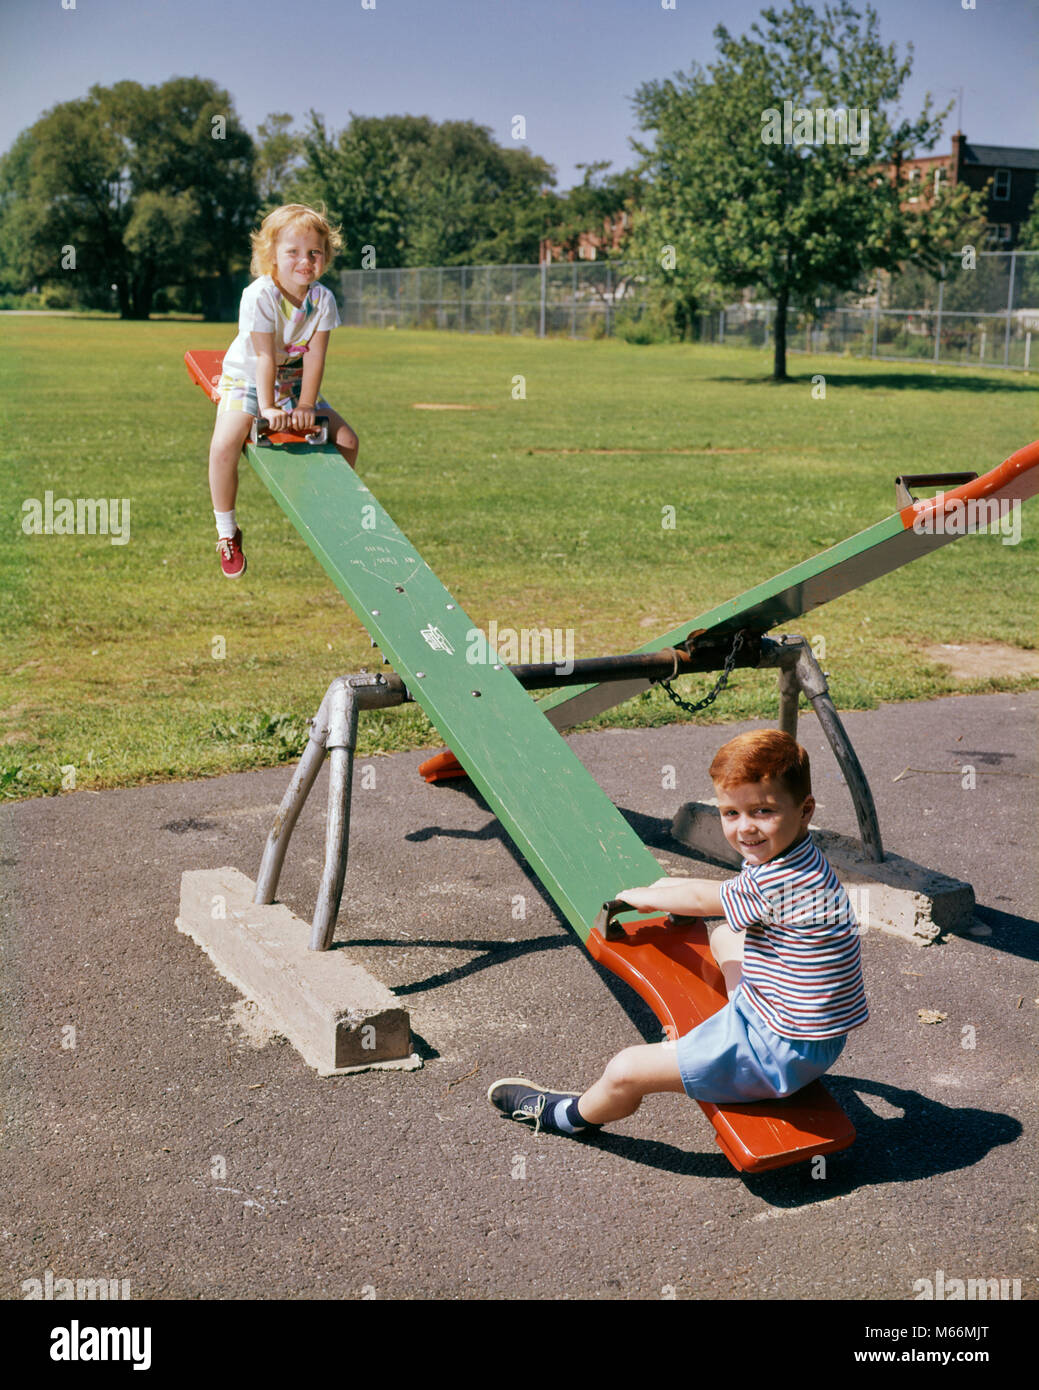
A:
(1012, 170)
(589, 244)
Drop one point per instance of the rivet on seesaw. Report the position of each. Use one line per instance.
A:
(476, 692)
(450, 606)
(420, 675)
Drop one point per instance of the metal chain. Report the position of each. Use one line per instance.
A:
(720, 684)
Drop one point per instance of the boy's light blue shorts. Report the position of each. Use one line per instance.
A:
(734, 1056)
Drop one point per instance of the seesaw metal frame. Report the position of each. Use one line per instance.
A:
(333, 730)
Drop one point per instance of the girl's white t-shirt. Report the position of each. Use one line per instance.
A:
(264, 309)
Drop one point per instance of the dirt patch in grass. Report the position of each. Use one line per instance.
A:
(976, 660)
(655, 452)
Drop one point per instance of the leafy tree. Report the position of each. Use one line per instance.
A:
(1028, 235)
(597, 200)
(279, 154)
(422, 193)
(132, 187)
(14, 175)
(1028, 266)
(814, 213)
(679, 285)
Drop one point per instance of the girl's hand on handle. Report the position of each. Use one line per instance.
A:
(303, 419)
(278, 419)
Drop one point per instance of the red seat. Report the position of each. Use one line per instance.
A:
(442, 766)
(672, 969)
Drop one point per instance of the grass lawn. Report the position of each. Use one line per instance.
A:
(139, 663)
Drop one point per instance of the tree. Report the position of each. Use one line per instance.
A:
(279, 154)
(591, 204)
(422, 193)
(771, 170)
(132, 187)
(662, 253)
(1028, 266)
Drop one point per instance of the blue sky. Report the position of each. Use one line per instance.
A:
(570, 67)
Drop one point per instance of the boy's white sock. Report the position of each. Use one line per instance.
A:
(225, 524)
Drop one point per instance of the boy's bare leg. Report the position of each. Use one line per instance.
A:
(632, 1074)
(727, 950)
(229, 435)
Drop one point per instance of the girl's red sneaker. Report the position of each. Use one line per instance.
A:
(232, 560)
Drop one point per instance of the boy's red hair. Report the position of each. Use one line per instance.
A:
(764, 755)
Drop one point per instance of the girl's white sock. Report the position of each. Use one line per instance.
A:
(225, 524)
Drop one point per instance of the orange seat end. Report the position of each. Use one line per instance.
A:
(672, 969)
(441, 767)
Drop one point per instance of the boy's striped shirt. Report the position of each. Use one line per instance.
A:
(802, 966)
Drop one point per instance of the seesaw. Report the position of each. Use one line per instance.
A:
(917, 528)
(704, 643)
(572, 835)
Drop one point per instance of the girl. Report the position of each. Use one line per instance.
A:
(274, 367)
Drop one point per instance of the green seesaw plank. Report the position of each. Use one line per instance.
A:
(574, 838)
(570, 832)
(878, 550)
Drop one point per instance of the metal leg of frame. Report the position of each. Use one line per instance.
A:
(799, 671)
(341, 742)
(789, 698)
(291, 804)
(333, 730)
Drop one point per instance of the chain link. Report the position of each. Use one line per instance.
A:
(711, 696)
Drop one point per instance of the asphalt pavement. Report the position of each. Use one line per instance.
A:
(154, 1133)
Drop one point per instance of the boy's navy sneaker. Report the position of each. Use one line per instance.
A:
(519, 1099)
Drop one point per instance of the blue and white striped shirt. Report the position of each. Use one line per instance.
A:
(802, 967)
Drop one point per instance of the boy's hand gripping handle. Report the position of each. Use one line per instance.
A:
(611, 930)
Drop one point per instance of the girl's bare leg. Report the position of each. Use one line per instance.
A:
(632, 1074)
(342, 436)
(229, 434)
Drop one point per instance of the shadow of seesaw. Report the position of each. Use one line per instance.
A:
(924, 1139)
(914, 1136)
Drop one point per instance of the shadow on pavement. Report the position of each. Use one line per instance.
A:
(1018, 936)
(927, 1139)
(494, 952)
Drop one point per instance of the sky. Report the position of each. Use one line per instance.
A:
(569, 67)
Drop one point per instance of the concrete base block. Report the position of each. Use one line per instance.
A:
(337, 1016)
(895, 896)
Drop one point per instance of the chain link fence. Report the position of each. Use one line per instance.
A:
(579, 299)
(982, 312)
(984, 315)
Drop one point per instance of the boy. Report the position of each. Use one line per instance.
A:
(799, 989)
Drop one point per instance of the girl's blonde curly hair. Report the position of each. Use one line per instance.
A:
(265, 241)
